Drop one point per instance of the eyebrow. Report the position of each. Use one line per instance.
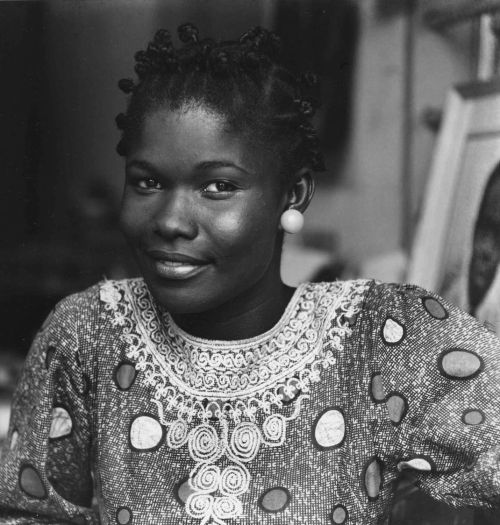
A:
(143, 164)
(214, 164)
(205, 165)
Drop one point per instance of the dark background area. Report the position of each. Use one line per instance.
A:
(60, 61)
(61, 178)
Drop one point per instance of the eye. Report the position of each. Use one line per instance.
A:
(148, 183)
(219, 186)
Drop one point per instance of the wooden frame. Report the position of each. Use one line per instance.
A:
(457, 12)
(467, 150)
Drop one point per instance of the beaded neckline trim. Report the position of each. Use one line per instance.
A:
(225, 399)
(232, 370)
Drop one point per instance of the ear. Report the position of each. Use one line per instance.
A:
(300, 190)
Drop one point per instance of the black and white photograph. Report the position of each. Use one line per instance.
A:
(250, 262)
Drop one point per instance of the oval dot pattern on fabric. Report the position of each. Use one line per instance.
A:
(373, 478)
(124, 375)
(377, 392)
(434, 308)
(123, 516)
(61, 425)
(275, 499)
(31, 483)
(393, 332)
(473, 417)
(339, 514)
(13, 439)
(146, 433)
(457, 363)
(397, 407)
(420, 463)
(183, 490)
(329, 429)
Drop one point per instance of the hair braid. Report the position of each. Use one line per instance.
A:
(244, 80)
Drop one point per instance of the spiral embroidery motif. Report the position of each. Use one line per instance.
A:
(234, 480)
(240, 381)
(206, 480)
(177, 433)
(227, 507)
(245, 441)
(199, 505)
(274, 429)
(204, 444)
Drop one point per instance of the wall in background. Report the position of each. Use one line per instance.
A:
(366, 208)
(89, 46)
(63, 177)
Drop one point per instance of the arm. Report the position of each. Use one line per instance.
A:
(45, 464)
(439, 407)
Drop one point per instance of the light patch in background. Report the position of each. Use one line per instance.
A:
(4, 417)
(299, 264)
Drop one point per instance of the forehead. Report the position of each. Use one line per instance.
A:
(192, 134)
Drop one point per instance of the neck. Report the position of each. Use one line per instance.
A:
(252, 313)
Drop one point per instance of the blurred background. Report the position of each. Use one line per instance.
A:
(386, 67)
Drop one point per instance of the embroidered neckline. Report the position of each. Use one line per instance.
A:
(225, 399)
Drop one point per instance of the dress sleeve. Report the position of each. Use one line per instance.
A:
(436, 383)
(45, 463)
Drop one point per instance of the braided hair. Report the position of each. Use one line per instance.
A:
(242, 80)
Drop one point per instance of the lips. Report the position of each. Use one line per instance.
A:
(176, 266)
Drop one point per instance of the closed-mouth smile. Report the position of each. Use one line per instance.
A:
(174, 265)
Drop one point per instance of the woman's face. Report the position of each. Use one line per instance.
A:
(486, 246)
(201, 209)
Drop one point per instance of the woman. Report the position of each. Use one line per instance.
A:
(208, 391)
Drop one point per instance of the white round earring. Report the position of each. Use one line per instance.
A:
(292, 221)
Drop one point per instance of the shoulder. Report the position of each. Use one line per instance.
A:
(78, 324)
(78, 315)
(408, 299)
(78, 303)
(105, 292)
(438, 335)
(352, 290)
(384, 302)
(337, 300)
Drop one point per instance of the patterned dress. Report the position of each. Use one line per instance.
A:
(121, 417)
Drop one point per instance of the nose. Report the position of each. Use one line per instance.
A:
(175, 218)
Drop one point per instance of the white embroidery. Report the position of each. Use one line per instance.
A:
(225, 399)
(110, 295)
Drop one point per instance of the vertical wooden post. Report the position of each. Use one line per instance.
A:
(407, 125)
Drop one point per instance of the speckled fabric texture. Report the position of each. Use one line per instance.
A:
(120, 417)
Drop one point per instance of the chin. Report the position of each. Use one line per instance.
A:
(190, 296)
(204, 291)
(175, 297)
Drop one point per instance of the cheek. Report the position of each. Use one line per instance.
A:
(133, 218)
(249, 229)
